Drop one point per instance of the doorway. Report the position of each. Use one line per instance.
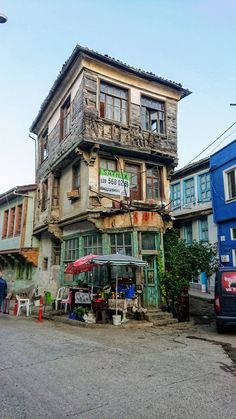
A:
(150, 272)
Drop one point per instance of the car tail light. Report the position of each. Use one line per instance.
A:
(217, 304)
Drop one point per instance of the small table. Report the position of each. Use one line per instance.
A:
(122, 305)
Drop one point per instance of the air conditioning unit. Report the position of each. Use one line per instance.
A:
(224, 258)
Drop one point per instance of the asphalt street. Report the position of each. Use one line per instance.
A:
(52, 370)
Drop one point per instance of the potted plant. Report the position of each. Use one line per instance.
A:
(80, 312)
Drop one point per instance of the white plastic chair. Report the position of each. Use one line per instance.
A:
(67, 301)
(59, 296)
(23, 303)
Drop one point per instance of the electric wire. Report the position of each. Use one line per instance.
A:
(213, 142)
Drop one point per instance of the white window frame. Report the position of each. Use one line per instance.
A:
(232, 234)
(226, 186)
(234, 257)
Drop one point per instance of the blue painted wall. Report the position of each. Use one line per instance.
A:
(224, 211)
(220, 161)
(226, 246)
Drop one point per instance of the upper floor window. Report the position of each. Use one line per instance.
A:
(113, 103)
(18, 221)
(135, 180)
(76, 177)
(204, 187)
(5, 223)
(188, 232)
(230, 183)
(55, 192)
(152, 115)
(65, 118)
(12, 221)
(153, 182)
(175, 195)
(189, 193)
(56, 252)
(203, 229)
(108, 164)
(44, 195)
(44, 146)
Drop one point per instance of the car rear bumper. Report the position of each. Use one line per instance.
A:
(226, 320)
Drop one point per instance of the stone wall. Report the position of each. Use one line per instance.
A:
(199, 306)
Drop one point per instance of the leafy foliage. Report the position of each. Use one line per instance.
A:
(182, 262)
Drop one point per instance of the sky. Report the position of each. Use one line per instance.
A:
(189, 41)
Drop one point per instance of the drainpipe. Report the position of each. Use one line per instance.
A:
(35, 155)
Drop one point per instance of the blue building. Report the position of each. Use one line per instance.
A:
(191, 206)
(223, 186)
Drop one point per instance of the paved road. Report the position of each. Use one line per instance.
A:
(52, 370)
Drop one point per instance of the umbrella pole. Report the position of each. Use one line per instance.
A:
(116, 290)
(91, 296)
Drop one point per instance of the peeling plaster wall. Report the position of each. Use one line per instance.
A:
(47, 280)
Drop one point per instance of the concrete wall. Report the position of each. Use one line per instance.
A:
(47, 280)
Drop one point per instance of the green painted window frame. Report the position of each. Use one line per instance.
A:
(120, 243)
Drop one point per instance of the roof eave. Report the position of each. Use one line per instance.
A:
(80, 50)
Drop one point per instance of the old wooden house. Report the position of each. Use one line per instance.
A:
(18, 248)
(107, 143)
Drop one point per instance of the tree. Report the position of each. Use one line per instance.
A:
(182, 262)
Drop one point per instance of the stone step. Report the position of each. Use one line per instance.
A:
(154, 310)
(160, 315)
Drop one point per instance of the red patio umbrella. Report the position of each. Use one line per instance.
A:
(83, 264)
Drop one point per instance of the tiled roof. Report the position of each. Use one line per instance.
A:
(79, 50)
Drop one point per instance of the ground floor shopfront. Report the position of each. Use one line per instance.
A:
(139, 241)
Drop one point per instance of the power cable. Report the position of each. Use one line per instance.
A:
(227, 136)
(213, 142)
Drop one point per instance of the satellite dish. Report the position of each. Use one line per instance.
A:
(3, 18)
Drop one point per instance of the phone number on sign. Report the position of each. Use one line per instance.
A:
(114, 181)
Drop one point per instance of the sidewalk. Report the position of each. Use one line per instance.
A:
(199, 294)
(61, 317)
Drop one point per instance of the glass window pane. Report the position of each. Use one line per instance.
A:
(148, 241)
(111, 165)
(120, 240)
(113, 239)
(117, 114)
(109, 112)
(231, 184)
(127, 238)
(124, 116)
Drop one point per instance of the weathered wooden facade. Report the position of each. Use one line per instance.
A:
(191, 205)
(18, 248)
(107, 144)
